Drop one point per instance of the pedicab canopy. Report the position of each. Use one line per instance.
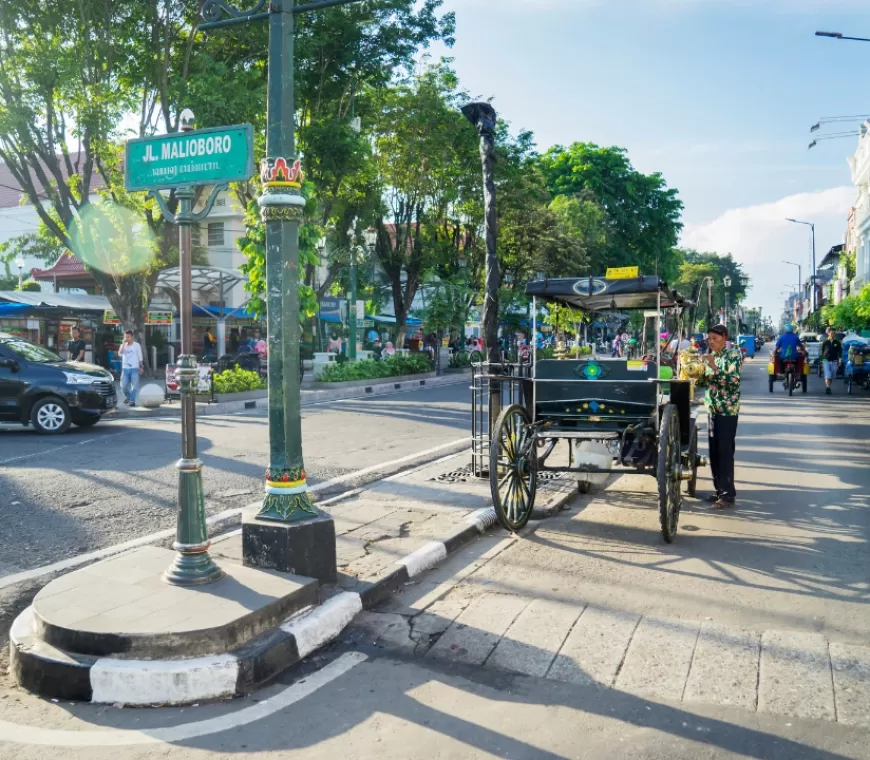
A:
(601, 293)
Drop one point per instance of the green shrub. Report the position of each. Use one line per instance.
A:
(237, 380)
(371, 370)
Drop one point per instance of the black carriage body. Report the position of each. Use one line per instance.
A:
(646, 419)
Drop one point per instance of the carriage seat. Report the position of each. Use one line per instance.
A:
(600, 392)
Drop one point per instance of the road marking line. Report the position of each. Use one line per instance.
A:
(65, 446)
(82, 559)
(18, 734)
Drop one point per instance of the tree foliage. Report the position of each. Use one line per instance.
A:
(643, 214)
(692, 281)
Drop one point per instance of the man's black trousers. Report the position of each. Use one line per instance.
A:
(722, 431)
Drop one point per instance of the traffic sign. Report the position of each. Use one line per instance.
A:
(196, 157)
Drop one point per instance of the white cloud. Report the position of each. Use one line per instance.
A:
(760, 239)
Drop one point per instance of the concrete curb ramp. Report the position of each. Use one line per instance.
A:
(49, 671)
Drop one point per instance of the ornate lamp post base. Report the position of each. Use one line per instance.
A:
(287, 497)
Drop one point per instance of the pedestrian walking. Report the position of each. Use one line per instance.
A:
(832, 358)
(722, 380)
(76, 346)
(132, 368)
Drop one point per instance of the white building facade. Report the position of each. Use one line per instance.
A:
(860, 166)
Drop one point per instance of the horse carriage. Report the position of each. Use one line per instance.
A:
(617, 415)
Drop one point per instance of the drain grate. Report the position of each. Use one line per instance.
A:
(460, 475)
(465, 474)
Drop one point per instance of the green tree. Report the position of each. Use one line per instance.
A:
(643, 214)
(422, 148)
(70, 77)
(695, 269)
(345, 57)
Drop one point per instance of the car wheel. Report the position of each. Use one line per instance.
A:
(50, 416)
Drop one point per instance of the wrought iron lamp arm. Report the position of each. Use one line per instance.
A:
(187, 218)
(213, 12)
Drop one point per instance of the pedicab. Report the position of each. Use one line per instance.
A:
(618, 415)
(792, 371)
(857, 366)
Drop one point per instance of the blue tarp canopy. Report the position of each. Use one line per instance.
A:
(13, 309)
(331, 318)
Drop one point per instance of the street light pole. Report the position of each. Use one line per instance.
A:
(351, 307)
(812, 227)
(838, 36)
(281, 205)
(19, 262)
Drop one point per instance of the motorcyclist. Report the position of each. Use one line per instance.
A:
(789, 346)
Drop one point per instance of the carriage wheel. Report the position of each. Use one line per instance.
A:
(668, 472)
(692, 484)
(513, 472)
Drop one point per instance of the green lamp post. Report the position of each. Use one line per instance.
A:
(287, 498)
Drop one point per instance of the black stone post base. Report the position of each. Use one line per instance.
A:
(306, 547)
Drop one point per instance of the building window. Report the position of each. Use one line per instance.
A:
(215, 234)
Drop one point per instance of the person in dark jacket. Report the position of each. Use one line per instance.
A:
(831, 356)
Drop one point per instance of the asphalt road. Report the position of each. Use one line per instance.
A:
(66, 495)
(791, 556)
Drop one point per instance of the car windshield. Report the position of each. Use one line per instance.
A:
(30, 351)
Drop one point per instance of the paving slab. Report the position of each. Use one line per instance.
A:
(725, 666)
(851, 666)
(658, 658)
(531, 643)
(795, 676)
(595, 648)
(477, 630)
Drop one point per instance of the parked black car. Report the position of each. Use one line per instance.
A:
(39, 388)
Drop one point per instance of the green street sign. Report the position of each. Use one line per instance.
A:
(198, 157)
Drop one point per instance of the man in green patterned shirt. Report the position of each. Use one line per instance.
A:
(722, 380)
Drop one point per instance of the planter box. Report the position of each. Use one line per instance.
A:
(457, 371)
(243, 396)
(374, 381)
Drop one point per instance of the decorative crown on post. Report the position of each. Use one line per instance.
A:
(276, 172)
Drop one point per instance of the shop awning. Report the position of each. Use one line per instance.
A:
(75, 301)
(331, 318)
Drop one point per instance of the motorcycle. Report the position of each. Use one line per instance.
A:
(792, 372)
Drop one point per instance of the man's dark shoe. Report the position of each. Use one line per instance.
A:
(711, 498)
(827, 391)
(722, 504)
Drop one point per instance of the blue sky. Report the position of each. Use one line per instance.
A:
(717, 95)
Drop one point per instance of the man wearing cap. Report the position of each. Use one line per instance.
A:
(722, 380)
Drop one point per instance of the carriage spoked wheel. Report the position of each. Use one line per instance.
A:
(513, 469)
(668, 472)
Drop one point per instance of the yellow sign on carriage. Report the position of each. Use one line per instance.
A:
(622, 273)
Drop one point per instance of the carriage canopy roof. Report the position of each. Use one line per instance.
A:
(601, 294)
